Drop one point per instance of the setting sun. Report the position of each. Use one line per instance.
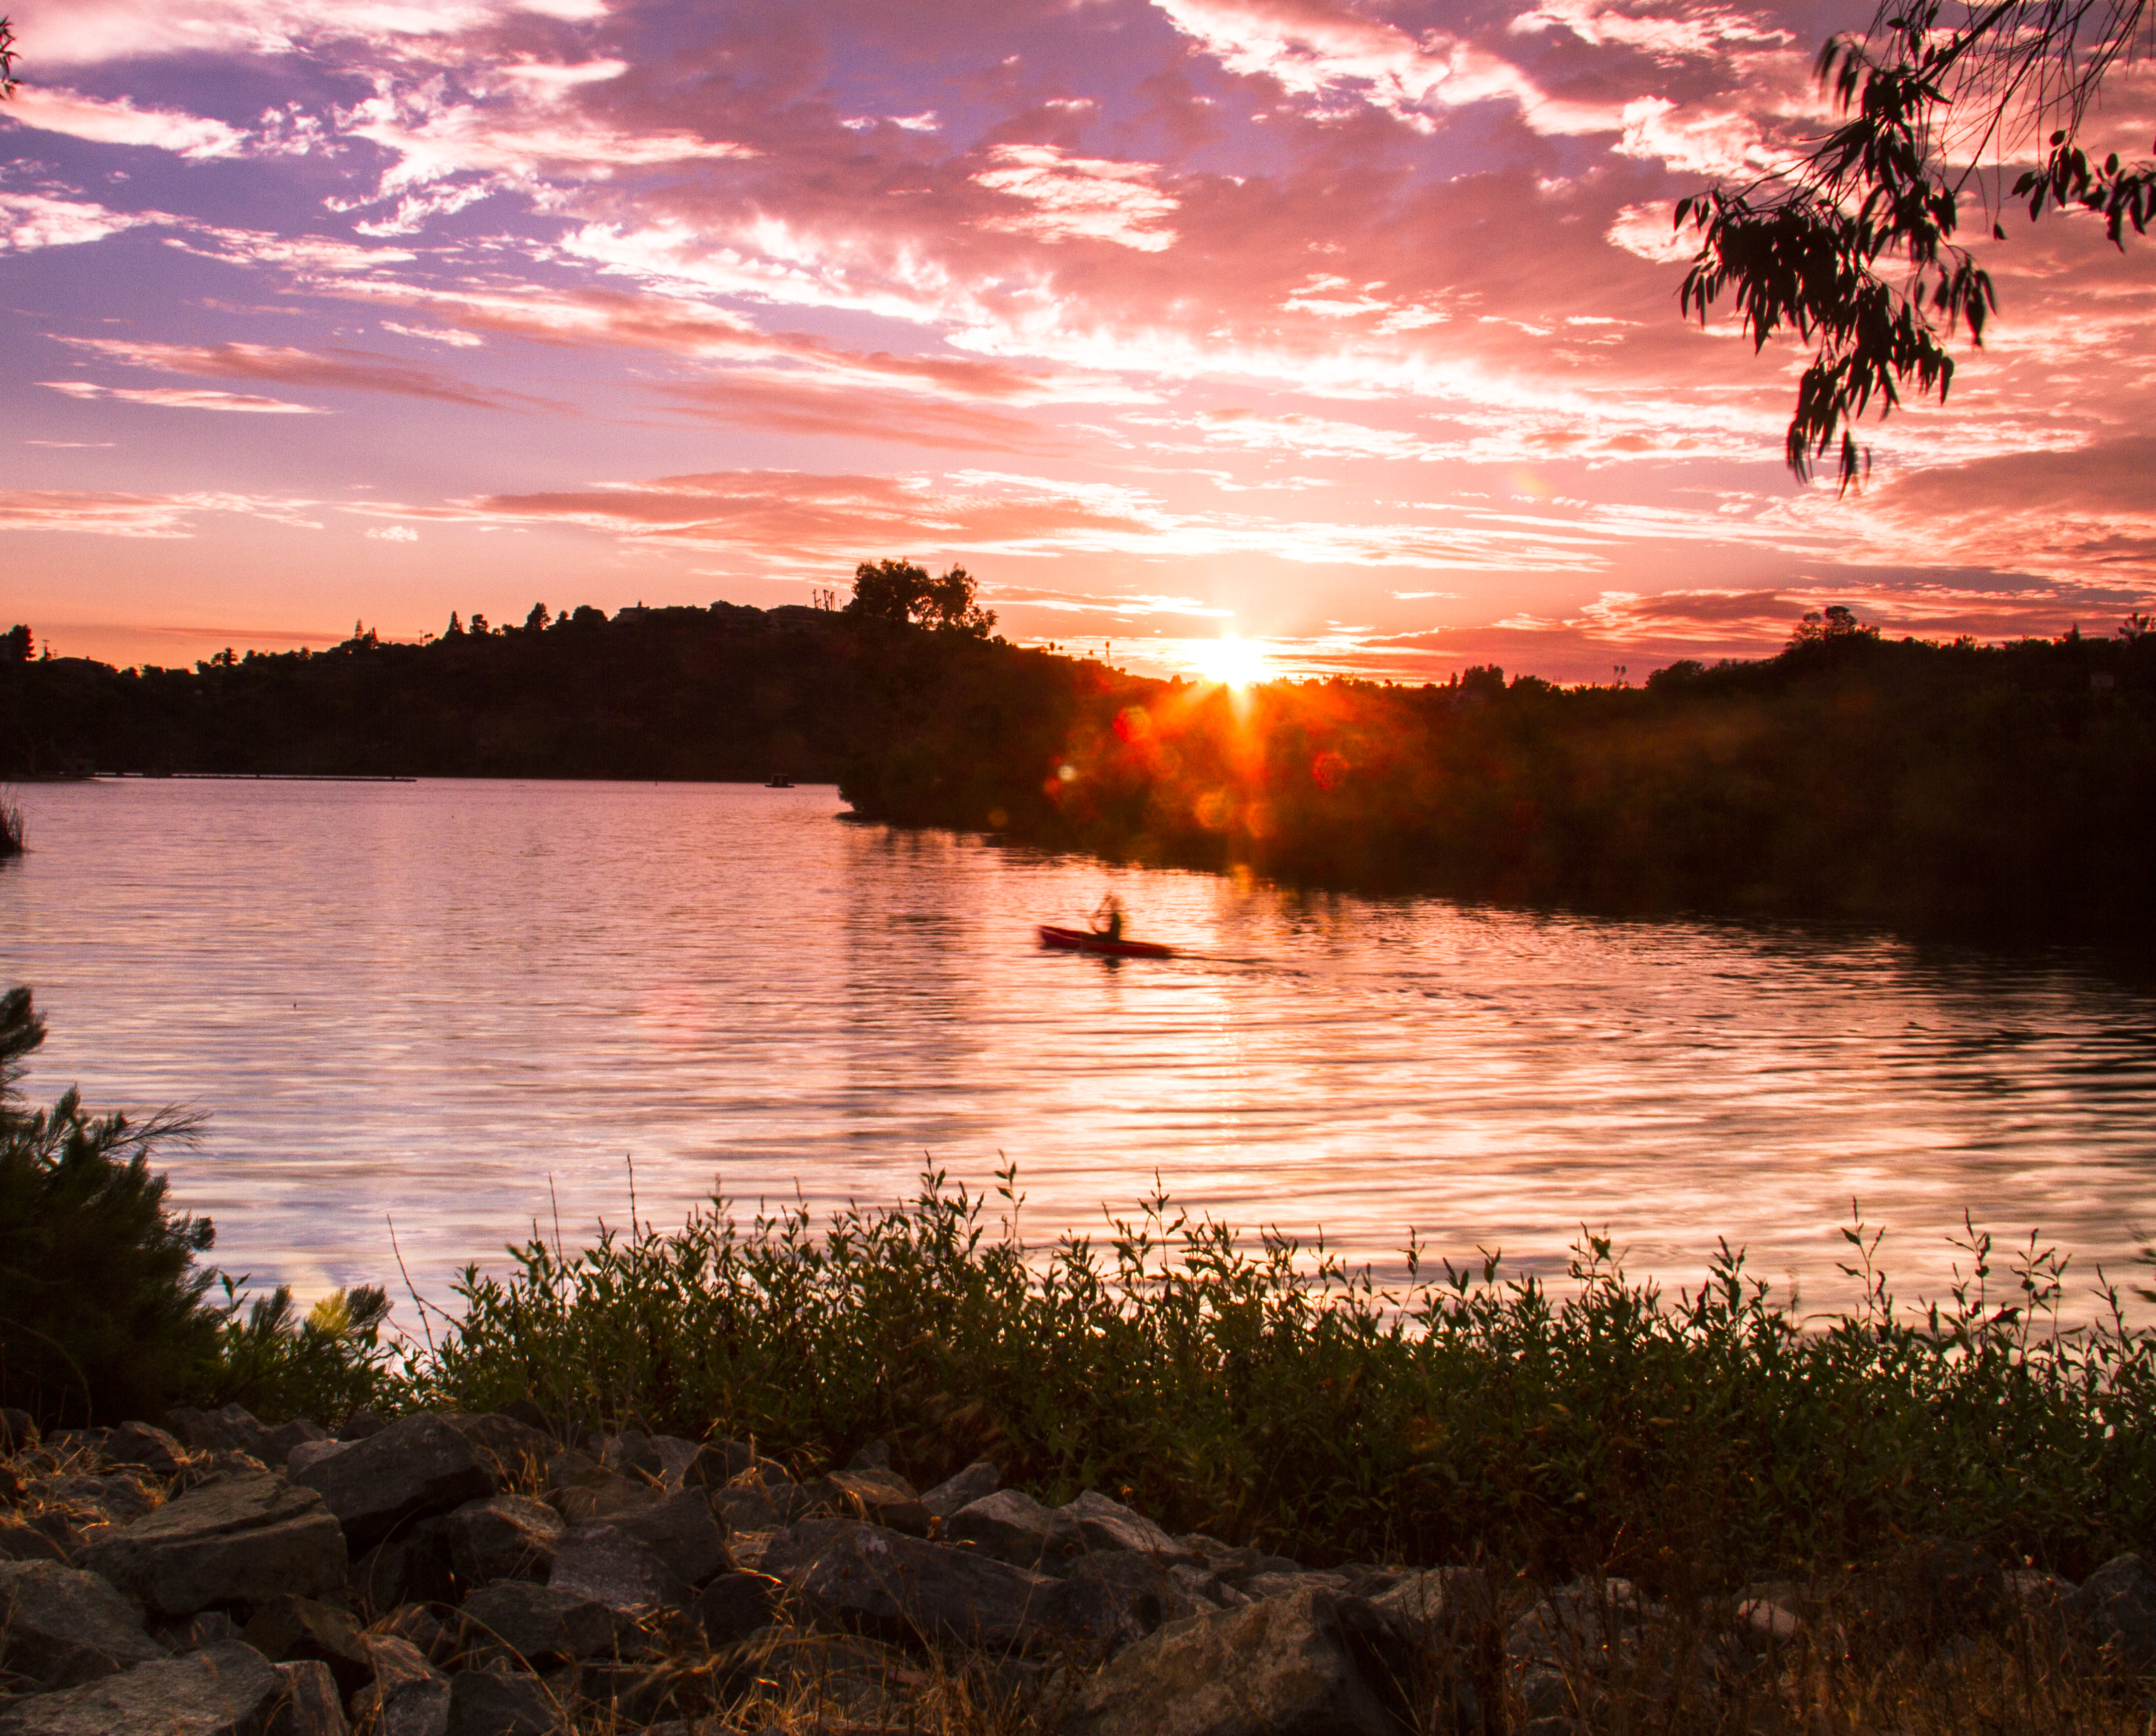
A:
(1233, 662)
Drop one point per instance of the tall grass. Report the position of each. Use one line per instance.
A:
(1266, 1392)
(10, 825)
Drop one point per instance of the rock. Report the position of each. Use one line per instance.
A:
(1233, 1564)
(117, 1499)
(435, 1638)
(1313, 1664)
(307, 1702)
(153, 1449)
(735, 1605)
(311, 1452)
(482, 1703)
(207, 1627)
(631, 1454)
(878, 1496)
(234, 1540)
(18, 1429)
(756, 1507)
(874, 1456)
(280, 1443)
(233, 1429)
(1111, 1599)
(899, 1588)
(225, 1691)
(612, 1567)
(1012, 1527)
(362, 1426)
(1263, 1585)
(513, 1452)
(408, 1697)
(605, 1497)
(1093, 1523)
(412, 1569)
(2118, 1605)
(1768, 1620)
(292, 1629)
(61, 1627)
(503, 1537)
(415, 1467)
(715, 1464)
(541, 1624)
(675, 1456)
(21, 1542)
(685, 1531)
(976, 1482)
(1009, 1525)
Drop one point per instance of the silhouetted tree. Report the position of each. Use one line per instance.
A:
(536, 622)
(900, 592)
(455, 629)
(17, 646)
(8, 57)
(1811, 247)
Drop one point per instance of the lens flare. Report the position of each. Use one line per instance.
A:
(1231, 661)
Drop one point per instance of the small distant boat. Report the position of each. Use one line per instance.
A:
(1085, 940)
(781, 781)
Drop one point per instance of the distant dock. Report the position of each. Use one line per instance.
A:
(266, 777)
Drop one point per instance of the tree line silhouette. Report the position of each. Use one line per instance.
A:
(2001, 787)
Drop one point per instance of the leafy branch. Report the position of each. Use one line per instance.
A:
(1852, 248)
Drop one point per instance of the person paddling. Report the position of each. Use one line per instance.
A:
(1108, 919)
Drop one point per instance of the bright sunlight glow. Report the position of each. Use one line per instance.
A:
(1231, 661)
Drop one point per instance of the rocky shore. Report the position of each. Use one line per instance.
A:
(502, 1575)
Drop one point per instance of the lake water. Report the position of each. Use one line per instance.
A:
(463, 1006)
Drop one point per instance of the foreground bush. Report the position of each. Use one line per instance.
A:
(1273, 1397)
(102, 1314)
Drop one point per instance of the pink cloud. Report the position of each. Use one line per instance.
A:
(341, 370)
(178, 398)
(56, 109)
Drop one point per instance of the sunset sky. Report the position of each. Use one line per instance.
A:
(1350, 329)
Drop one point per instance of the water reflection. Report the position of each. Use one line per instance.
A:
(466, 1004)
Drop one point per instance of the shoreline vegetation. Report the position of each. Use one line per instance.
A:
(900, 1471)
(2004, 791)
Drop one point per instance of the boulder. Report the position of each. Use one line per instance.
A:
(612, 1567)
(684, 1531)
(61, 1627)
(293, 1630)
(715, 1464)
(503, 1537)
(18, 1429)
(1111, 1599)
(153, 1449)
(311, 1452)
(482, 1703)
(22, 1542)
(233, 1429)
(238, 1539)
(1093, 1523)
(735, 1606)
(225, 1691)
(976, 1482)
(408, 1697)
(1313, 1664)
(417, 1465)
(280, 1443)
(1009, 1525)
(541, 1624)
(631, 1454)
(362, 1426)
(2118, 1605)
(413, 1567)
(882, 1583)
(878, 1496)
(307, 1702)
(513, 1452)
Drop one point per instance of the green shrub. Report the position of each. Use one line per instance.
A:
(102, 1316)
(1273, 1395)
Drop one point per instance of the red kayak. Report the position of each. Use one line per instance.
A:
(1084, 940)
